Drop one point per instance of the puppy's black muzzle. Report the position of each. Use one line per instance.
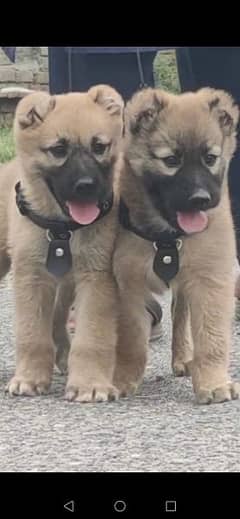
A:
(187, 191)
(80, 179)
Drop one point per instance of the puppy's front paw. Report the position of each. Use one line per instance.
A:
(129, 376)
(182, 369)
(23, 386)
(225, 393)
(81, 391)
(127, 388)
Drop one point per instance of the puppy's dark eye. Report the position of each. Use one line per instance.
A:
(59, 151)
(210, 159)
(99, 147)
(172, 161)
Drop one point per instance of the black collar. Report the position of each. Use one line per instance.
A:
(59, 260)
(166, 243)
(161, 238)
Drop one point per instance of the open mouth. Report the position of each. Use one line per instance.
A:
(83, 212)
(193, 221)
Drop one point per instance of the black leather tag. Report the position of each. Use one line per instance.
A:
(59, 259)
(166, 262)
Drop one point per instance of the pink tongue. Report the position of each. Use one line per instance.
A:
(83, 213)
(192, 222)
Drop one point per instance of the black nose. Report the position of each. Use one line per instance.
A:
(85, 185)
(200, 199)
(200, 194)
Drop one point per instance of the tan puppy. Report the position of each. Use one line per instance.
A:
(67, 163)
(174, 187)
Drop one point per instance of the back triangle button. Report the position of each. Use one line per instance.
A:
(70, 506)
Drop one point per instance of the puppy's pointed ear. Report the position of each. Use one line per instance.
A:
(33, 109)
(222, 105)
(143, 109)
(108, 98)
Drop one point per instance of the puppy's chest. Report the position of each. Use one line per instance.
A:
(86, 249)
(91, 249)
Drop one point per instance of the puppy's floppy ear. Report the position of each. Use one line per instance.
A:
(33, 109)
(144, 107)
(108, 98)
(224, 107)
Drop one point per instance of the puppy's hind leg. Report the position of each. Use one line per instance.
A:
(63, 302)
(182, 346)
(5, 263)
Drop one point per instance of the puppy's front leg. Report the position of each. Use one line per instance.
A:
(133, 338)
(131, 261)
(212, 305)
(93, 350)
(34, 292)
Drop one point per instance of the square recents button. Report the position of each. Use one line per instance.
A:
(171, 506)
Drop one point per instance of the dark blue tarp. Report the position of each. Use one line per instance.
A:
(10, 52)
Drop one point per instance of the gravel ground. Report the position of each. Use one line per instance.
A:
(160, 429)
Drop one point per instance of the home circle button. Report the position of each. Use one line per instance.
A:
(119, 506)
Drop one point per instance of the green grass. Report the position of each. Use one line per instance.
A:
(165, 72)
(165, 75)
(7, 151)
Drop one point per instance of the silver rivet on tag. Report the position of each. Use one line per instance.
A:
(179, 244)
(105, 205)
(167, 260)
(59, 252)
